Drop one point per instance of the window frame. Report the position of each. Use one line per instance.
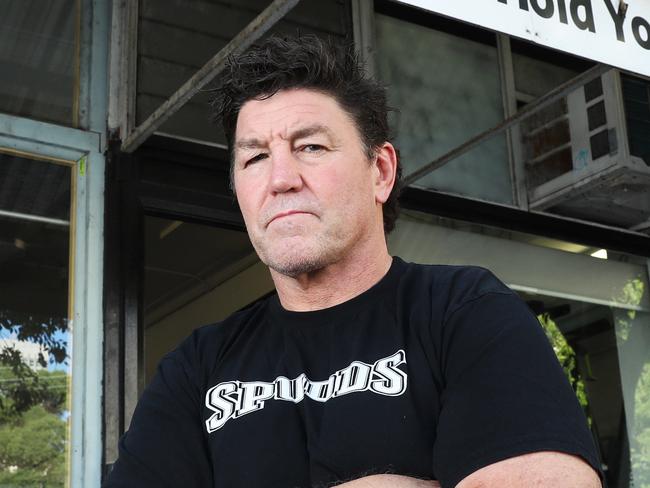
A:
(39, 140)
(84, 150)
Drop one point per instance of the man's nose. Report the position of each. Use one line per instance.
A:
(285, 172)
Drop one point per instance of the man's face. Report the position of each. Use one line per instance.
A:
(303, 181)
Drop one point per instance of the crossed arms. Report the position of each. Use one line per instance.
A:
(537, 470)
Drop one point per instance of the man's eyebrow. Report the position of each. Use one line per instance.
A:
(301, 133)
(249, 144)
(310, 131)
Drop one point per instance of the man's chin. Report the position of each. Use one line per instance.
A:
(293, 268)
(293, 257)
(294, 262)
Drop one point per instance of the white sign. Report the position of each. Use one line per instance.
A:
(612, 32)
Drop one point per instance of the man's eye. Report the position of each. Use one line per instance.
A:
(312, 148)
(255, 159)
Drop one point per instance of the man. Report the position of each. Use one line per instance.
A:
(363, 370)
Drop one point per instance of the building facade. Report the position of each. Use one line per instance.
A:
(120, 234)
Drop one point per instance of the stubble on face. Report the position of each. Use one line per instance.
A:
(293, 265)
(297, 255)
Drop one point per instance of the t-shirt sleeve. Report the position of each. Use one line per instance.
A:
(165, 445)
(505, 393)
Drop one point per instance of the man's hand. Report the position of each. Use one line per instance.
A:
(389, 481)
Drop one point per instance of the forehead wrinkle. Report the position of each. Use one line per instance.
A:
(287, 134)
(257, 142)
(290, 124)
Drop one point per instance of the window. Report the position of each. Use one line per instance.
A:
(35, 341)
(445, 87)
(39, 59)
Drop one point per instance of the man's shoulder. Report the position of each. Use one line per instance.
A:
(212, 340)
(249, 312)
(470, 278)
(452, 286)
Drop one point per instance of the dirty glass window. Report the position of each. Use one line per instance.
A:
(38, 59)
(35, 345)
(445, 88)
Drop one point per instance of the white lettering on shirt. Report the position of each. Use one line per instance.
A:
(233, 399)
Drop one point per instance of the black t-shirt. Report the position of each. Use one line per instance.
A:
(434, 372)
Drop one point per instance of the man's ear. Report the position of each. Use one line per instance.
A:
(385, 171)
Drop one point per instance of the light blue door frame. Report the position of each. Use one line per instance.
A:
(86, 323)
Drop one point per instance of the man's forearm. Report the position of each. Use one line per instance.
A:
(389, 481)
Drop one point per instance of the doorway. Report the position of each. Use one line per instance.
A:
(194, 274)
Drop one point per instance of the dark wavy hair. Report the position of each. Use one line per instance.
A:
(306, 61)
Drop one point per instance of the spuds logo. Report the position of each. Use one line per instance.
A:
(233, 399)
(580, 14)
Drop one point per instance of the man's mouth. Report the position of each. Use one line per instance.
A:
(287, 213)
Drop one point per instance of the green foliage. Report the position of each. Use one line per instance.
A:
(631, 294)
(33, 450)
(33, 433)
(40, 330)
(567, 358)
(21, 388)
(628, 327)
(640, 443)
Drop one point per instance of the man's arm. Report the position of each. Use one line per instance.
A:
(164, 446)
(539, 470)
(505, 397)
(389, 481)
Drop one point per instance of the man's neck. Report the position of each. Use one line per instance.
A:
(333, 284)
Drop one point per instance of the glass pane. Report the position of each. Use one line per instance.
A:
(35, 348)
(177, 38)
(446, 90)
(38, 59)
(594, 307)
(633, 342)
(194, 275)
(605, 353)
(535, 77)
